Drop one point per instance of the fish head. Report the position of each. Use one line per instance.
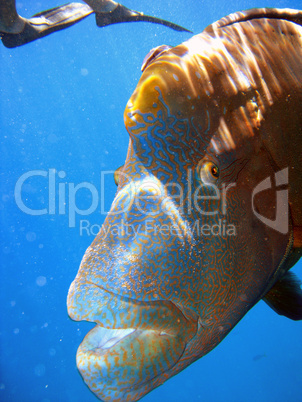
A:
(182, 254)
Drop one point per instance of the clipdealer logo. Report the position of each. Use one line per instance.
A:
(63, 197)
(280, 223)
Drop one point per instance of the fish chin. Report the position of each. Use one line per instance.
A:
(120, 364)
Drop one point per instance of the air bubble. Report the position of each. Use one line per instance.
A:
(31, 236)
(41, 281)
(40, 370)
(84, 72)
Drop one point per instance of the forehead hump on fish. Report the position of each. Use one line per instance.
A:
(167, 102)
(185, 95)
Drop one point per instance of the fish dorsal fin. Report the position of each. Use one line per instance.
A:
(257, 13)
(285, 297)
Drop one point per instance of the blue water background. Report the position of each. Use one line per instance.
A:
(61, 107)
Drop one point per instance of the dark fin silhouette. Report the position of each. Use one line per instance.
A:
(46, 22)
(285, 297)
(124, 14)
(10, 21)
(58, 18)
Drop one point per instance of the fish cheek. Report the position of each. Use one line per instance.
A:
(252, 207)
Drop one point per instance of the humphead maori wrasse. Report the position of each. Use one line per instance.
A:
(207, 217)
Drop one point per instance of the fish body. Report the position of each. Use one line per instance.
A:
(207, 217)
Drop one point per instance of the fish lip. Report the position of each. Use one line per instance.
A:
(91, 302)
(133, 344)
(103, 372)
(112, 336)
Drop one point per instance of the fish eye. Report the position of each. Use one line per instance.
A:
(208, 172)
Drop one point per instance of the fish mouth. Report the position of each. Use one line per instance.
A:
(132, 346)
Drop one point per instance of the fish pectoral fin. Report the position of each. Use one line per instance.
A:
(285, 297)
